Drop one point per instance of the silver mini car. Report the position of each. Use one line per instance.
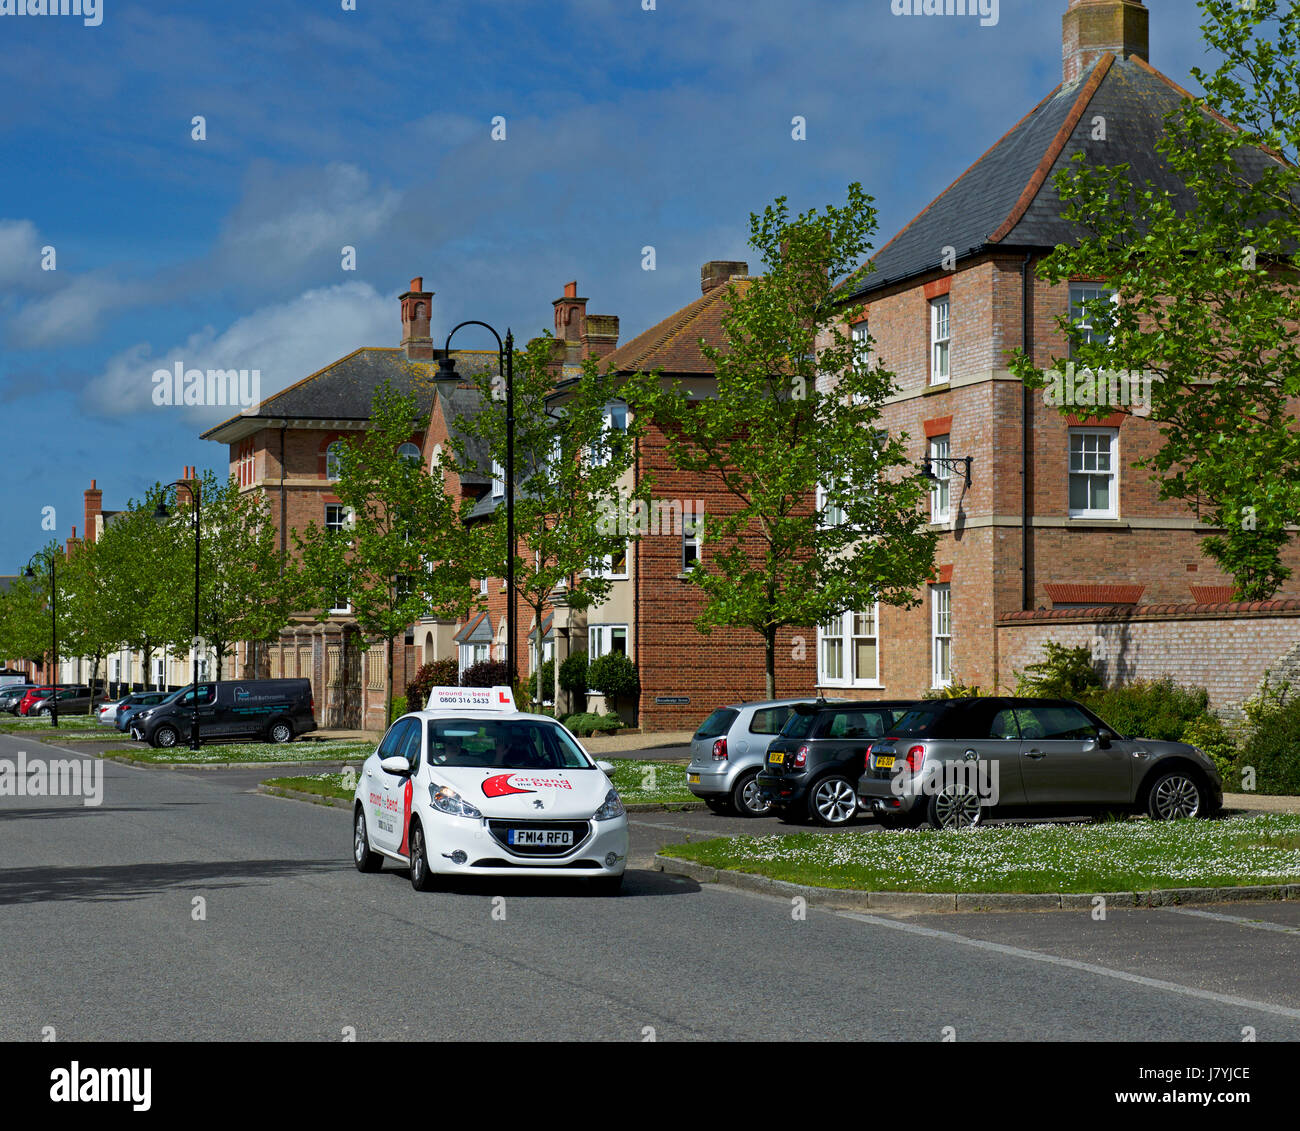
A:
(728, 751)
(953, 761)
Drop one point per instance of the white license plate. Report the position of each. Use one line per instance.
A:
(540, 838)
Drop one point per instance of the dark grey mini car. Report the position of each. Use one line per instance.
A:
(952, 762)
(811, 769)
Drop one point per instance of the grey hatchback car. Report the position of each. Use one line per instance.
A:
(728, 751)
(951, 762)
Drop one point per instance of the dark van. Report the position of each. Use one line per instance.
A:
(270, 710)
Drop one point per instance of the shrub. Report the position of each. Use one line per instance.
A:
(523, 695)
(1272, 747)
(573, 677)
(614, 676)
(1065, 673)
(399, 708)
(585, 723)
(439, 673)
(1210, 735)
(486, 673)
(956, 690)
(1159, 708)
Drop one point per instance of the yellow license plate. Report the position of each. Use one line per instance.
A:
(885, 763)
(694, 779)
(776, 757)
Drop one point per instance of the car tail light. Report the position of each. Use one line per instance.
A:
(915, 757)
(720, 750)
(800, 758)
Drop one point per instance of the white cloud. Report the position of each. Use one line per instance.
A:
(73, 312)
(289, 217)
(20, 252)
(285, 342)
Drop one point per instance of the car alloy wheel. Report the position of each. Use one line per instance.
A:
(365, 860)
(281, 733)
(165, 736)
(748, 799)
(420, 878)
(833, 801)
(955, 808)
(1175, 796)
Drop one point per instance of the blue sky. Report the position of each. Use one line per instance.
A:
(372, 128)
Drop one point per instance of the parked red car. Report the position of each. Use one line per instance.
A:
(25, 703)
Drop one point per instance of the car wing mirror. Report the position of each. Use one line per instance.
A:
(1103, 741)
(395, 765)
(606, 768)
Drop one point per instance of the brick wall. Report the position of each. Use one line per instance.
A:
(1227, 649)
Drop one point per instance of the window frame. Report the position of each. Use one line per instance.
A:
(1084, 333)
(1112, 435)
(847, 635)
(939, 448)
(940, 634)
(606, 632)
(937, 343)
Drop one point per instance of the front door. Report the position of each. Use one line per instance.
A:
(1063, 762)
(395, 790)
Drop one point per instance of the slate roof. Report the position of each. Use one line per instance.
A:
(1008, 198)
(344, 389)
(673, 345)
(477, 631)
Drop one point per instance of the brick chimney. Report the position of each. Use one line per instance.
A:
(570, 314)
(72, 542)
(1093, 28)
(94, 508)
(601, 337)
(719, 271)
(417, 310)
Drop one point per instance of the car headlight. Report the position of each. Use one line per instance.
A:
(612, 808)
(447, 800)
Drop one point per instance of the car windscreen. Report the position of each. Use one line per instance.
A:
(717, 724)
(504, 744)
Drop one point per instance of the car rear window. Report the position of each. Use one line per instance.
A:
(769, 720)
(801, 724)
(717, 724)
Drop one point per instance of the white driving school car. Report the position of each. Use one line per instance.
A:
(472, 787)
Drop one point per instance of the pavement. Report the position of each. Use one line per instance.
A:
(187, 907)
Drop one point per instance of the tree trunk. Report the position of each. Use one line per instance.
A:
(769, 661)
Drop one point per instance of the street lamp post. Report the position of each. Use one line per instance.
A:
(506, 366)
(161, 515)
(54, 624)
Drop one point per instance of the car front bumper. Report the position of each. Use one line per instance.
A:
(486, 856)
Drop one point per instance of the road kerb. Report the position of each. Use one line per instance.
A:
(937, 902)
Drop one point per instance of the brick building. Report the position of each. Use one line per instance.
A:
(1053, 527)
(284, 450)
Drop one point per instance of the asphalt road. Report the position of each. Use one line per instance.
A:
(102, 941)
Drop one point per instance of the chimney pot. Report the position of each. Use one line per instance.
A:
(571, 289)
(417, 284)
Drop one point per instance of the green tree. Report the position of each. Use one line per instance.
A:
(404, 555)
(91, 625)
(25, 621)
(144, 597)
(773, 435)
(573, 450)
(1208, 297)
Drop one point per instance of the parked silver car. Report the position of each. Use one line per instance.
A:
(728, 751)
(953, 761)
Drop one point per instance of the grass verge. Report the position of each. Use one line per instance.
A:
(1132, 855)
(245, 752)
(638, 783)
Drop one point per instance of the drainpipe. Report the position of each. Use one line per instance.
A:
(1026, 593)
